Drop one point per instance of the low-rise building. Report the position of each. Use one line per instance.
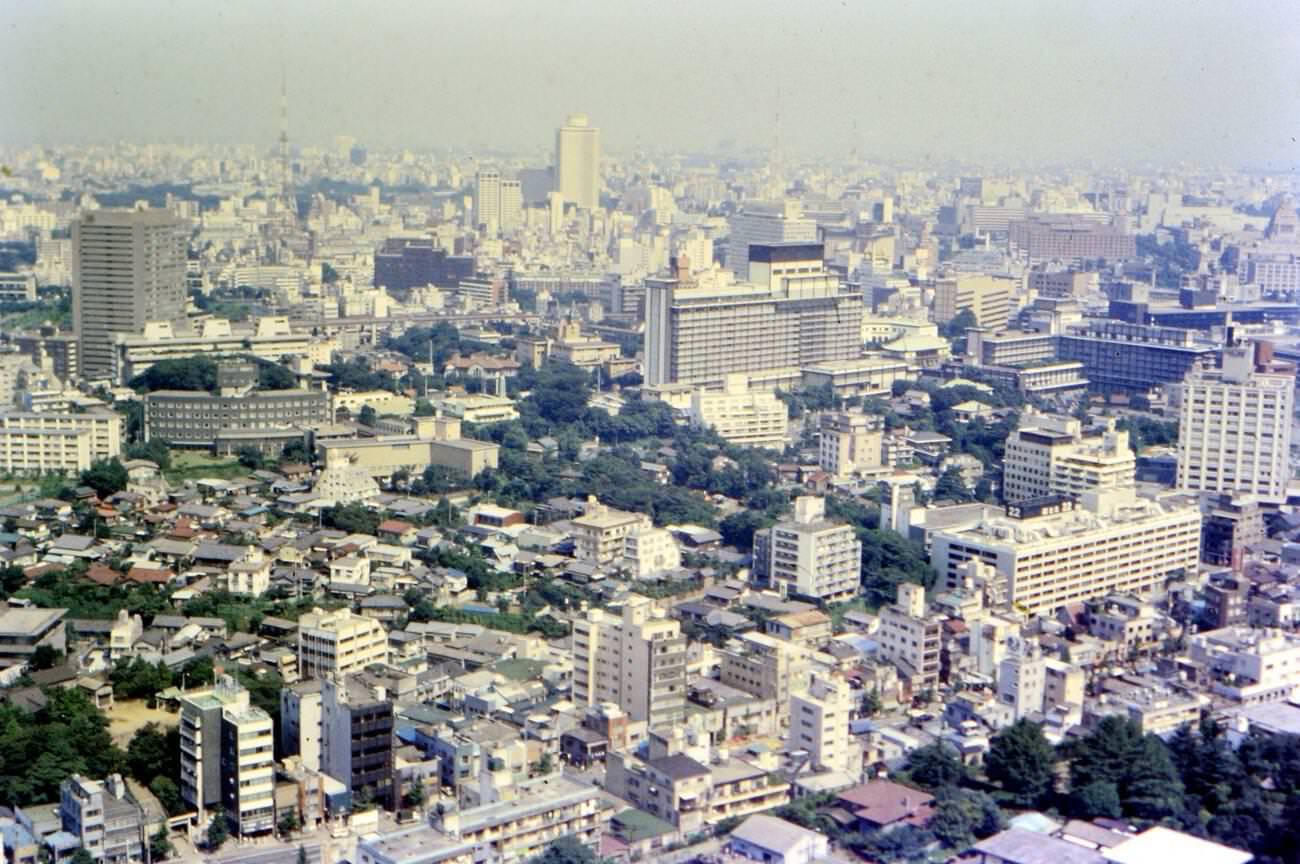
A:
(103, 818)
(22, 631)
(750, 419)
(338, 643)
(809, 554)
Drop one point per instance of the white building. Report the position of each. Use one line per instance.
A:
(649, 552)
(600, 532)
(850, 443)
(750, 419)
(1234, 424)
(809, 555)
(1022, 678)
(332, 644)
(300, 723)
(1050, 455)
(1053, 552)
(909, 638)
(577, 162)
(1248, 665)
(763, 224)
(819, 724)
(228, 757)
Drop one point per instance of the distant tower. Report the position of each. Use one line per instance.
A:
(577, 162)
(286, 170)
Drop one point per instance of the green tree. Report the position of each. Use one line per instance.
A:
(147, 754)
(160, 845)
(218, 830)
(46, 657)
(738, 528)
(951, 487)
(567, 850)
(82, 856)
(106, 477)
(962, 816)
(1021, 761)
(1099, 798)
(546, 764)
(168, 794)
(289, 822)
(250, 457)
(367, 416)
(187, 373)
(935, 766)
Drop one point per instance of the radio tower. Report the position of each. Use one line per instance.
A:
(286, 170)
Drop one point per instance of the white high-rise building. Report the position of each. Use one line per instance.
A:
(228, 757)
(1234, 424)
(809, 555)
(763, 224)
(577, 162)
(637, 661)
(512, 205)
(487, 200)
(1050, 455)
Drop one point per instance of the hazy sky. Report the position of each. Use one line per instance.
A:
(1212, 81)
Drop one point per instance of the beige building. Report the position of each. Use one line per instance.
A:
(1051, 552)
(1234, 424)
(750, 419)
(636, 660)
(599, 534)
(32, 443)
(435, 441)
(987, 297)
(809, 555)
(129, 269)
(909, 638)
(577, 162)
(338, 643)
(819, 724)
(270, 338)
(763, 667)
(1247, 665)
(850, 443)
(649, 552)
(1050, 455)
(479, 408)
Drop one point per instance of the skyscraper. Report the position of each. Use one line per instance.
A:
(487, 200)
(129, 269)
(762, 224)
(577, 162)
(1234, 424)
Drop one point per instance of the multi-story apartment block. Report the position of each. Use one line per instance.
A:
(819, 725)
(1234, 424)
(809, 555)
(636, 661)
(404, 263)
(335, 644)
(60, 443)
(763, 667)
(357, 728)
(849, 443)
(988, 298)
(1051, 455)
(909, 638)
(750, 419)
(300, 722)
(650, 551)
(1246, 665)
(791, 314)
(1048, 552)
(228, 757)
(600, 532)
(103, 817)
(264, 419)
(1059, 283)
(129, 269)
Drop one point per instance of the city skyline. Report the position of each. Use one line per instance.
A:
(1048, 82)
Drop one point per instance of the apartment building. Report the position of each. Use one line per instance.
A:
(1060, 283)
(809, 555)
(909, 638)
(335, 644)
(129, 269)
(793, 313)
(763, 667)
(850, 443)
(300, 722)
(1049, 552)
(33, 443)
(542, 810)
(599, 534)
(1246, 665)
(1234, 424)
(749, 419)
(649, 552)
(105, 820)
(819, 725)
(228, 757)
(636, 660)
(357, 728)
(263, 419)
(988, 298)
(1051, 455)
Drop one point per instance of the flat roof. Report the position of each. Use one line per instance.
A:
(1159, 844)
(25, 622)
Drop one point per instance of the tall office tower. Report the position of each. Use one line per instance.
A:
(809, 555)
(487, 200)
(512, 205)
(129, 269)
(987, 297)
(1050, 455)
(228, 757)
(577, 162)
(637, 661)
(793, 313)
(764, 224)
(1234, 424)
